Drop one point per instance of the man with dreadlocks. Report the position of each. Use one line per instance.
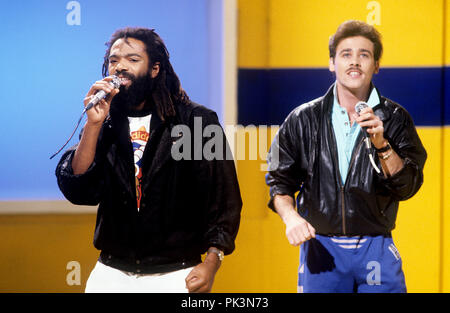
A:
(157, 215)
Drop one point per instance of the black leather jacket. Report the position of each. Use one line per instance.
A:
(186, 206)
(367, 203)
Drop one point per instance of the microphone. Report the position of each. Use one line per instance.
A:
(358, 108)
(101, 93)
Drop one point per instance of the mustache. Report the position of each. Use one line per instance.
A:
(354, 69)
(126, 75)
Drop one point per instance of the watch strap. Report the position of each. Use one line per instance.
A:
(219, 253)
(384, 149)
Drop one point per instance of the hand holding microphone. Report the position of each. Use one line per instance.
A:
(371, 125)
(358, 108)
(99, 97)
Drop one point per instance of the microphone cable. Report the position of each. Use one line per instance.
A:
(94, 101)
(372, 161)
(73, 133)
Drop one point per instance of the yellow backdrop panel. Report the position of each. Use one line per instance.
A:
(297, 32)
(36, 250)
(445, 221)
(447, 32)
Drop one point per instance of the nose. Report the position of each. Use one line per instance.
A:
(355, 61)
(121, 67)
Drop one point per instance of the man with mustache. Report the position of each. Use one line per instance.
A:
(347, 203)
(156, 215)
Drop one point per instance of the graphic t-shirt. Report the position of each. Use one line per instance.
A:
(139, 133)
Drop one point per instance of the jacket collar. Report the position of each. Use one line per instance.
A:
(379, 109)
(327, 101)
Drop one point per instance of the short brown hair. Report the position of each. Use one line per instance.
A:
(354, 28)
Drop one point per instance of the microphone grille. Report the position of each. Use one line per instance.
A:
(115, 81)
(359, 106)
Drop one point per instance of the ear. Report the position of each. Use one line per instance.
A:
(377, 67)
(155, 69)
(331, 65)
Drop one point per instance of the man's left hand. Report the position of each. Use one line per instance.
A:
(201, 278)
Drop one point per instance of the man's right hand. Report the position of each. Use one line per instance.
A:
(298, 230)
(85, 152)
(99, 112)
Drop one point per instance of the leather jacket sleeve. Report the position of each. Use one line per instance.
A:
(402, 135)
(288, 157)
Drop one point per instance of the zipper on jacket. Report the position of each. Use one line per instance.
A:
(342, 186)
(338, 173)
(344, 231)
(357, 150)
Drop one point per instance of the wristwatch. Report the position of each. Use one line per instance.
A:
(387, 147)
(219, 253)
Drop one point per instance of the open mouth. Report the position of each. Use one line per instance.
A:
(354, 73)
(124, 81)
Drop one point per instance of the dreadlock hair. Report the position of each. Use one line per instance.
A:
(166, 85)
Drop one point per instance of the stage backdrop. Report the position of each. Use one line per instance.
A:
(53, 50)
(283, 62)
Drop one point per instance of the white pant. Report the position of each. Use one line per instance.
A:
(104, 278)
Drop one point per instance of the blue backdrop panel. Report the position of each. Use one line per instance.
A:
(266, 96)
(48, 66)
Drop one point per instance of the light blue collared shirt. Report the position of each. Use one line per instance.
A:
(345, 133)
